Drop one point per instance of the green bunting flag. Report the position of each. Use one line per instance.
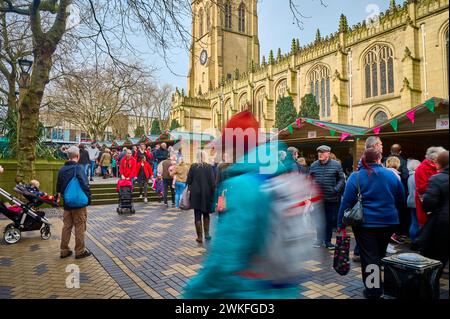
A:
(430, 104)
(291, 130)
(394, 124)
(309, 121)
(332, 132)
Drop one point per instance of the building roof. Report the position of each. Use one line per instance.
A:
(190, 136)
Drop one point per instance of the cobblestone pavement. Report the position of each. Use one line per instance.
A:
(150, 254)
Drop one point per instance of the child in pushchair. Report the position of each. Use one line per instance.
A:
(25, 217)
(125, 190)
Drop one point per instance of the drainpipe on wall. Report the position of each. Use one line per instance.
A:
(350, 93)
(422, 28)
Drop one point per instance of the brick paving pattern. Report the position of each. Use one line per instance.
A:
(151, 254)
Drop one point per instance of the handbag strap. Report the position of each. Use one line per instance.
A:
(359, 189)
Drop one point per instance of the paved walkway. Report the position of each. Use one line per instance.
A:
(150, 254)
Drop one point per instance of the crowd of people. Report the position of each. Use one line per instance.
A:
(402, 198)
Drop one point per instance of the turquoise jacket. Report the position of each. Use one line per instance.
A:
(240, 235)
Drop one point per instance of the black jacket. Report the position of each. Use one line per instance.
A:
(84, 157)
(160, 155)
(436, 198)
(404, 173)
(66, 174)
(330, 178)
(201, 184)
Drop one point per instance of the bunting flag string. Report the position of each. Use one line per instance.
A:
(410, 115)
(394, 124)
(298, 122)
(291, 129)
(309, 121)
(377, 130)
(430, 105)
(320, 124)
(344, 136)
(332, 132)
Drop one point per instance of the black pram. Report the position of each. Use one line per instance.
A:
(125, 190)
(25, 217)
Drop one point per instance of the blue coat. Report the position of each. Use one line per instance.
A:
(65, 175)
(240, 236)
(382, 196)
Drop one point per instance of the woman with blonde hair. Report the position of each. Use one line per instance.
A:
(179, 174)
(105, 162)
(200, 181)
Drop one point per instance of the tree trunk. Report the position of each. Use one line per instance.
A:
(29, 118)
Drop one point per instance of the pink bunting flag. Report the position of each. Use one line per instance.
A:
(377, 130)
(410, 115)
(344, 136)
(320, 124)
(298, 122)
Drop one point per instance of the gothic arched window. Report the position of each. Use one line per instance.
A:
(200, 23)
(379, 71)
(243, 102)
(319, 81)
(281, 89)
(228, 15)
(379, 118)
(242, 18)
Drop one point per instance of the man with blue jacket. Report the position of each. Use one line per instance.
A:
(73, 217)
(329, 175)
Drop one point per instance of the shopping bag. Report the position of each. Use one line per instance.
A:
(185, 201)
(341, 261)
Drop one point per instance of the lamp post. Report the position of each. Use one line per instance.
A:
(24, 83)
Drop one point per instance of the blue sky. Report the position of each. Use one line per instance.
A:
(276, 29)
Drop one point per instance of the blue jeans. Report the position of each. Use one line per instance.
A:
(155, 167)
(85, 168)
(105, 170)
(414, 227)
(179, 188)
(92, 167)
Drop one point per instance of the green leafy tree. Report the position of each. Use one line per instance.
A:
(156, 128)
(309, 107)
(139, 131)
(285, 112)
(174, 124)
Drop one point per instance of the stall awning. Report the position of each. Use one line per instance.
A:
(190, 136)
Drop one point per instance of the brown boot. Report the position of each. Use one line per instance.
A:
(198, 229)
(206, 228)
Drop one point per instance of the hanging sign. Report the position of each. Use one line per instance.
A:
(312, 134)
(442, 123)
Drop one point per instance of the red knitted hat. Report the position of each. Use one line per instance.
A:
(240, 122)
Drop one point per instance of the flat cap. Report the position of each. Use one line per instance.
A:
(324, 148)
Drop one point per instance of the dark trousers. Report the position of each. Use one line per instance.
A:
(167, 184)
(198, 215)
(438, 246)
(327, 222)
(372, 243)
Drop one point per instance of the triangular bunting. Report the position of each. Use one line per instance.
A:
(291, 130)
(332, 132)
(410, 115)
(298, 122)
(394, 124)
(320, 124)
(377, 130)
(430, 105)
(344, 136)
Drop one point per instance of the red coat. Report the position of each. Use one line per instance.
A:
(422, 175)
(147, 153)
(147, 169)
(128, 167)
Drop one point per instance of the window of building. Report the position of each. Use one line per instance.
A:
(229, 76)
(281, 89)
(208, 19)
(228, 15)
(260, 103)
(200, 23)
(379, 118)
(243, 102)
(241, 18)
(319, 80)
(379, 71)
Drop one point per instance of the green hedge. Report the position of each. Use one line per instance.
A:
(46, 174)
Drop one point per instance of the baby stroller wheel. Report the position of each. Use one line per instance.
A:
(12, 234)
(119, 211)
(45, 232)
(133, 210)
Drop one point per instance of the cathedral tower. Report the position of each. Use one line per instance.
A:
(225, 38)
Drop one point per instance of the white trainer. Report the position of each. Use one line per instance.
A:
(145, 200)
(391, 249)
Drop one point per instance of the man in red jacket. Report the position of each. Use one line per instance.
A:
(128, 166)
(422, 175)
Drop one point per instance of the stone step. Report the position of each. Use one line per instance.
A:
(109, 201)
(115, 195)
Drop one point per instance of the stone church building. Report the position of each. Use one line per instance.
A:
(359, 75)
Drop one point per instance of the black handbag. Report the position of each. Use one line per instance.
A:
(354, 216)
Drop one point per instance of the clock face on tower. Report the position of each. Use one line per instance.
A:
(203, 57)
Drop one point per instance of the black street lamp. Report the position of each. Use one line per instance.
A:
(25, 66)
